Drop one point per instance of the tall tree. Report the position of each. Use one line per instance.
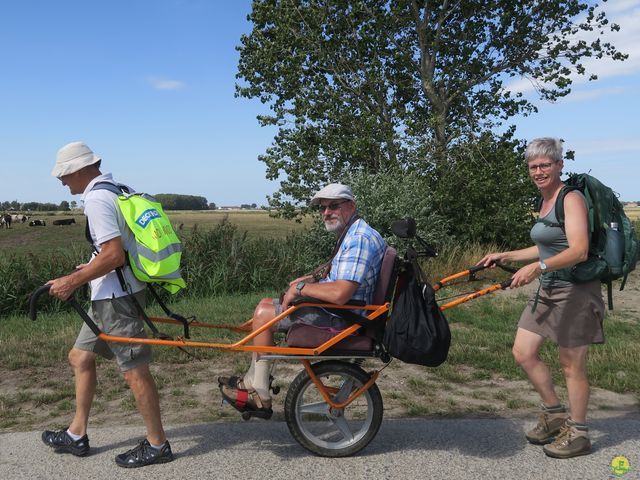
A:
(368, 84)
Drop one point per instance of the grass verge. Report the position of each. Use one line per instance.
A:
(479, 377)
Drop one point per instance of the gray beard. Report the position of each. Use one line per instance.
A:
(336, 227)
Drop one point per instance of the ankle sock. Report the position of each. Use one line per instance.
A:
(248, 377)
(157, 447)
(578, 426)
(73, 436)
(559, 408)
(261, 379)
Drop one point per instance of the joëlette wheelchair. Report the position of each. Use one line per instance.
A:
(333, 407)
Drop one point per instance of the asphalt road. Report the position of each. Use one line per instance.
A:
(403, 449)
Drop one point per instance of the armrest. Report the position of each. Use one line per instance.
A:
(299, 300)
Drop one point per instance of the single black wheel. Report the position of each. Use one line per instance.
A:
(326, 431)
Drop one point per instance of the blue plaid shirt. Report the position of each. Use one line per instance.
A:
(359, 259)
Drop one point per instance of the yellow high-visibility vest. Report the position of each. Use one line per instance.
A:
(157, 255)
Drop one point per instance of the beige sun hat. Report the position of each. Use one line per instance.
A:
(333, 191)
(72, 157)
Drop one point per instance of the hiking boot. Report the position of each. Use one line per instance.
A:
(549, 425)
(63, 443)
(571, 442)
(144, 454)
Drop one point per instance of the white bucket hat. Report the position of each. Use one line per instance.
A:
(72, 157)
(333, 191)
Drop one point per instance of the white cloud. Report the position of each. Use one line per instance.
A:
(165, 84)
(590, 94)
(626, 13)
(616, 6)
(606, 146)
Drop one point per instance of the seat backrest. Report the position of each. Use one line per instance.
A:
(387, 272)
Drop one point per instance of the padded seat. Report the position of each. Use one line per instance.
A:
(310, 336)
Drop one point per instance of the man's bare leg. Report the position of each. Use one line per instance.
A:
(83, 364)
(144, 390)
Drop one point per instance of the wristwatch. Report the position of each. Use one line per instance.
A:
(543, 266)
(299, 287)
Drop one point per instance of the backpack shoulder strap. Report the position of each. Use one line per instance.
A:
(559, 207)
(116, 188)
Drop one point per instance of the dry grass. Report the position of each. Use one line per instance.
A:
(633, 212)
(23, 239)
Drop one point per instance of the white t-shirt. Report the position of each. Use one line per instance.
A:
(105, 223)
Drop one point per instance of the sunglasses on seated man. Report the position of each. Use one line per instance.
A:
(332, 206)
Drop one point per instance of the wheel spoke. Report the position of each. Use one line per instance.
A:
(345, 390)
(321, 408)
(327, 431)
(342, 425)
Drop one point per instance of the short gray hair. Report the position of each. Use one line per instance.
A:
(544, 147)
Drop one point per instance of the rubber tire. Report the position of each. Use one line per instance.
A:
(302, 382)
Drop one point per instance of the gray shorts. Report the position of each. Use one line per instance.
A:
(309, 316)
(117, 316)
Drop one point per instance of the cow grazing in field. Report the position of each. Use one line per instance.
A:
(5, 220)
(37, 223)
(19, 218)
(64, 221)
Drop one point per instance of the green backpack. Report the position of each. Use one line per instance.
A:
(613, 248)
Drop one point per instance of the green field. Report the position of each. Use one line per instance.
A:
(23, 239)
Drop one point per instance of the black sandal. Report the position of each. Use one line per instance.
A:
(247, 402)
(234, 381)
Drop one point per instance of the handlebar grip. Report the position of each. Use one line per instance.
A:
(33, 300)
(506, 268)
(506, 283)
(476, 268)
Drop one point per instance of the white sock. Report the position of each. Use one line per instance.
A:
(248, 377)
(261, 379)
(157, 447)
(73, 436)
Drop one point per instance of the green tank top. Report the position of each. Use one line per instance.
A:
(550, 241)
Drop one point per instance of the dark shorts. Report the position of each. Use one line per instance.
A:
(309, 316)
(116, 316)
(570, 316)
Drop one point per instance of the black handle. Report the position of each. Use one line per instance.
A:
(33, 300)
(33, 304)
(506, 268)
(506, 283)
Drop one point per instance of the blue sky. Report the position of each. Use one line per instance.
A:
(149, 85)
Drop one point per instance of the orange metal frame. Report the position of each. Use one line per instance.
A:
(242, 345)
(456, 276)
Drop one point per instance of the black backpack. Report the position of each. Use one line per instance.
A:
(417, 331)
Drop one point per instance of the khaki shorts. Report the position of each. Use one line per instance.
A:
(117, 316)
(570, 316)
